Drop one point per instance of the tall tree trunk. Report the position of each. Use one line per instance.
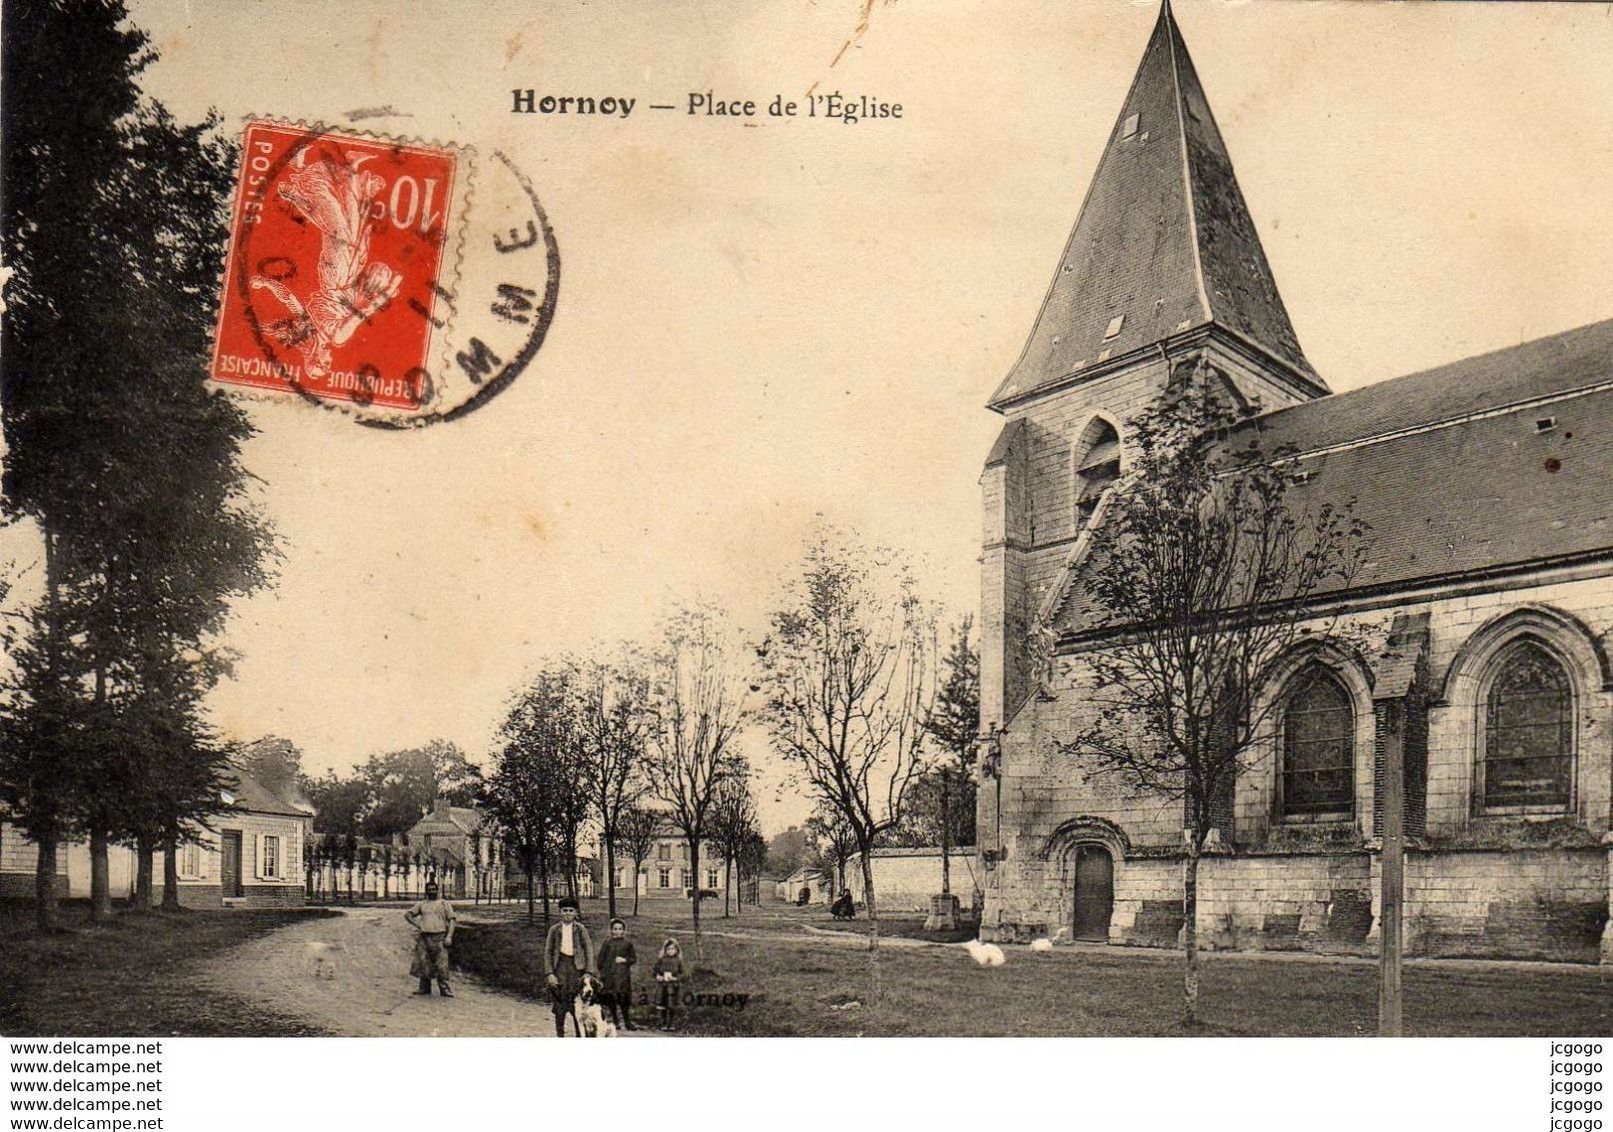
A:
(946, 834)
(100, 878)
(47, 898)
(875, 989)
(636, 866)
(142, 874)
(727, 884)
(170, 872)
(543, 880)
(694, 865)
(610, 874)
(531, 897)
(1190, 933)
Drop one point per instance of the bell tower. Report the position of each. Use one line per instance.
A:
(1162, 270)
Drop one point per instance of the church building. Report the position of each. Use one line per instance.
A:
(1478, 626)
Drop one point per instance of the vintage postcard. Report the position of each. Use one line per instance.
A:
(855, 517)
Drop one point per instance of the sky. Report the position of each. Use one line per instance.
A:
(763, 321)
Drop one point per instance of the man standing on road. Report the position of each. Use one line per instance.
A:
(433, 921)
(567, 953)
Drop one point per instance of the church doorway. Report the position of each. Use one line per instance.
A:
(1094, 892)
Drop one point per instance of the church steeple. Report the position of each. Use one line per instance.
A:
(1163, 245)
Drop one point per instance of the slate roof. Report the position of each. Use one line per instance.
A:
(1451, 467)
(1163, 239)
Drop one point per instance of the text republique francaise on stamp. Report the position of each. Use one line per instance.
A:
(393, 278)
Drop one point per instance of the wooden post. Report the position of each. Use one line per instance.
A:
(1393, 872)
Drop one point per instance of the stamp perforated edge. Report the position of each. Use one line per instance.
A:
(466, 157)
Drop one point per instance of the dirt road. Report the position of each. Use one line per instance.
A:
(350, 975)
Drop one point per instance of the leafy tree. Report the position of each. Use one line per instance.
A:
(849, 669)
(534, 785)
(1203, 568)
(697, 696)
(339, 803)
(274, 762)
(404, 785)
(636, 830)
(113, 218)
(787, 851)
(954, 725)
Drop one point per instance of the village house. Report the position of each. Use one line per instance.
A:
(1475, 636)
(666, 871)
(251, 857)
(463, 847)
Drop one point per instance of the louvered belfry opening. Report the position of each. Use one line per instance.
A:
(1096, 469)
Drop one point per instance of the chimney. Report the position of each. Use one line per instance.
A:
(439, 808)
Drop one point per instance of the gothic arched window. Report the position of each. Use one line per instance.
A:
(1528, 757)
(1318, 726)
(1096, 468)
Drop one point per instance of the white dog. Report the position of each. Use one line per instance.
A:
(588, 1014)
(321, 958)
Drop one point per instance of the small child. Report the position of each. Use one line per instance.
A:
(616, 959)
(668, 972)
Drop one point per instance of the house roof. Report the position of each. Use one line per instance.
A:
(1495, 462)
(456, 819)
(252, 796)
(1163, 243)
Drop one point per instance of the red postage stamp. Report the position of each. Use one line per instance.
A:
(334, 286)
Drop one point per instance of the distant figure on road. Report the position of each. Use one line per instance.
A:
(567, 953)
(433, 921)
(843, 908)
(616, 959)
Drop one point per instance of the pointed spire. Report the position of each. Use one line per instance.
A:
(1164, 242)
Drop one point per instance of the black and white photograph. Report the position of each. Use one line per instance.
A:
(816, 519)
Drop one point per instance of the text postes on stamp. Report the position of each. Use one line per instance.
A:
(371, 274)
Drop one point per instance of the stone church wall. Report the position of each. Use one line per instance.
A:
(1478, 884)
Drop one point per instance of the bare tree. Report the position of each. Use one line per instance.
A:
(636, 828)
(733, 820)
(833, 846)
(615, 722)
(1202, 571)
(849, 669)
(697, 694)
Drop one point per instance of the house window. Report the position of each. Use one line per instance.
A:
(190, 861)
(711, 878)
(621, 878)
(688, 878)
(1528, 739)
(271, 856)
(683, 851)
(1318, 747)
(663, 852)
(665, 879)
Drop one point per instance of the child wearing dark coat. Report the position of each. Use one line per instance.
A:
(616, 959)
(668, 973)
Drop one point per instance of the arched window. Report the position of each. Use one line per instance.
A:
(1318, 725)
(1528, 757)
(1097, 467)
